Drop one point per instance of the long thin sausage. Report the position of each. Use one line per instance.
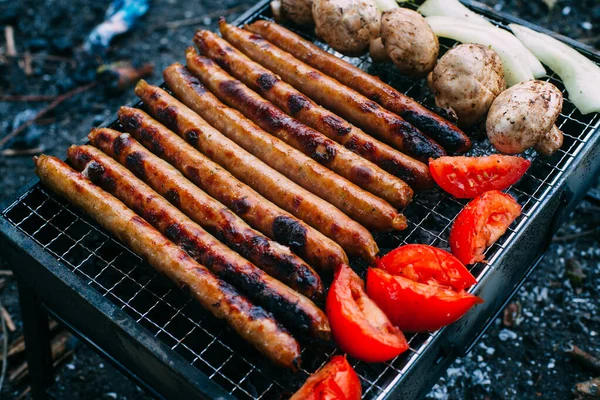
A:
(436, 127)
(275, 259)
(360, 205)
(252, 323)
(290, 307)
(314, 144)
(304, 240)
(240, 198)
(352, 236)
(330, 93)
(299, 106)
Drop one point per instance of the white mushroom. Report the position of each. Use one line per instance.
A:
(465, 82)
(523, 116)
(348, 26)
(297, 11)
(409, 41)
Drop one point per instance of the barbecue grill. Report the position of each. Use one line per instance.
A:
(69, 267)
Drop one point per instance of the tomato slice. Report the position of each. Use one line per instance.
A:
(427, 264)
(414, 306)
(335, 381)
(481, 223)
(468, 177)
(358, 326)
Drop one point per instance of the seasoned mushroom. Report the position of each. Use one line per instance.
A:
(409, 41)
(298, 11)
(523, 116)
(348, 26)
(466, 80)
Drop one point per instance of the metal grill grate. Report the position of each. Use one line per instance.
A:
(172, 316)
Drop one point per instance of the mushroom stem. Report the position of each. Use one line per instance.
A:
(550, 141)
(276, 10)
(377, 51)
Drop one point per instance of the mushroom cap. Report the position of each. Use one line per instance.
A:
(466, 80)
(298, 11)
(523, 116)
(348, 26)
(409, 41)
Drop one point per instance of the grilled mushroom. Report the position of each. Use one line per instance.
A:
(348, 26)
(409, 41)
(298, 11)
(523, 116)
(466, 80)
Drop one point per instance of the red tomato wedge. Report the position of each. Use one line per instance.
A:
(481, 223)
(414, 306)
(335, 381)
(427, 264)
(358, 326)
(468, 177)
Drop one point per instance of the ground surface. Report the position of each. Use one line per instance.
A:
(525, 360)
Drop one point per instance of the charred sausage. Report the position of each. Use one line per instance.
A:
(323, 216)
(436, 127)
(273, 258)
(312, 245)
(290, 307)
(294, 103)
(278, 224)
(330, 93)
(314, 144)
(252, 323)
(360, 205)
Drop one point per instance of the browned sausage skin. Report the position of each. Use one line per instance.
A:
(263, 215)
(436, 127)
(352, 236)
(330, 93)
(291, 308)
(312, 245)
(360, 205)
(252, 323)
(272, 257)
(415, 173)
(314, 144)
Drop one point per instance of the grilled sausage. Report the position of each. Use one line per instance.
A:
(330, 93)
(273, 258)
(352, 236)
(362, 206)
(290, 307)
(252, 323)
(436, 127)
(249, 205)
(299, 106)
(314, 144)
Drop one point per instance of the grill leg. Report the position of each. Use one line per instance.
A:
(37, 341)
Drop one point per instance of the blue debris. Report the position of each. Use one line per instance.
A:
(120, 16)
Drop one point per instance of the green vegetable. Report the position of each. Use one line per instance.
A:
(453, 8)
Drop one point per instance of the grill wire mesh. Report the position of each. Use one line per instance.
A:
(172, 316)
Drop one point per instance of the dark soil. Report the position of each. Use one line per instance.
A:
(525, 360)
